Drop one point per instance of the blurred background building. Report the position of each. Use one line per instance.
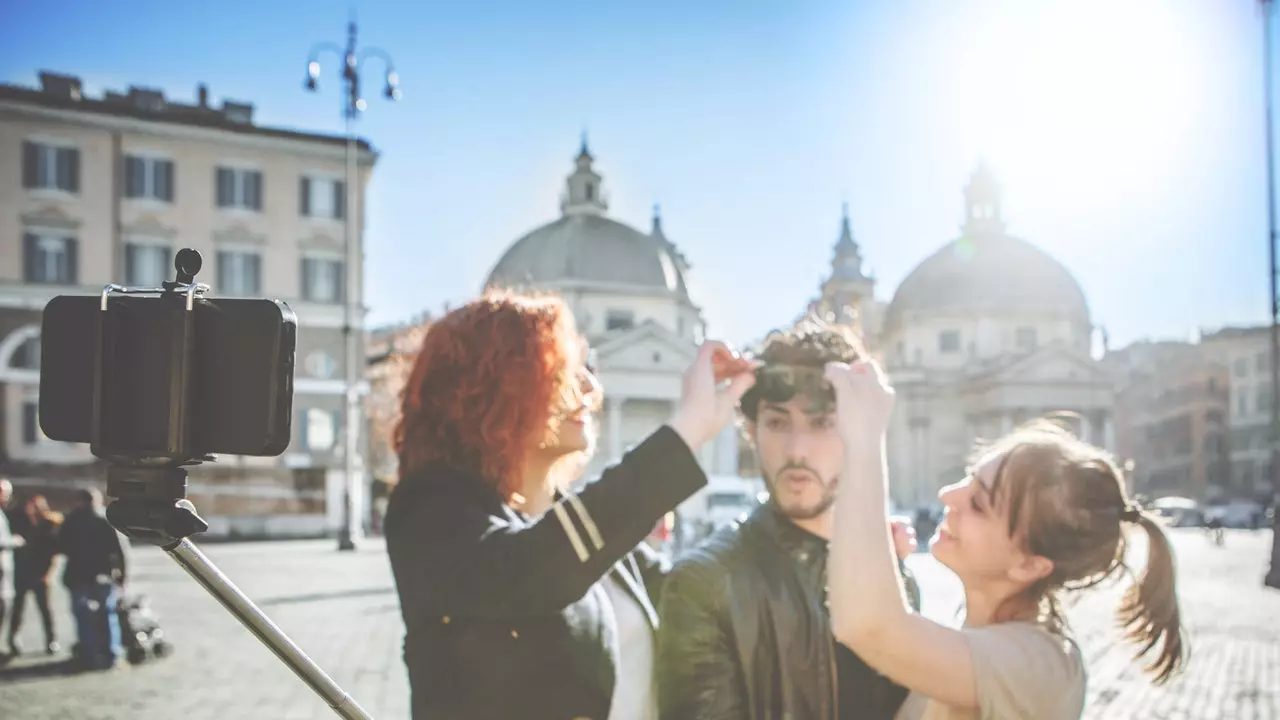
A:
(106, 190)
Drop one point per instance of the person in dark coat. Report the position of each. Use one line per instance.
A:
(33, 563)
(521, 598)
(94, 573)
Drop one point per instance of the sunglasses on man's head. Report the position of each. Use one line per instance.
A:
(780, 382)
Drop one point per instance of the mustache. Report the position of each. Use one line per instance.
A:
(800, 466)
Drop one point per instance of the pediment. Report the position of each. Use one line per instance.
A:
(150, 226)
(50, 216)
(239, 232)
(1052, 364)
(648, 346)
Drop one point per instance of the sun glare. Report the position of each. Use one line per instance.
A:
(1080, 102)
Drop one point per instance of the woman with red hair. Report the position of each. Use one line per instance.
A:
(520, 599)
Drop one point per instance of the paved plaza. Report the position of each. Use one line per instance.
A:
(341, 609)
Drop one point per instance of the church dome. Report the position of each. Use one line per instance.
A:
(986, 271)
(585, 247)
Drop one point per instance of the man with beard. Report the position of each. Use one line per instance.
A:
(744, 631)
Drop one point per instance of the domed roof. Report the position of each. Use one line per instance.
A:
(592, 249)
(587, 247)
(987, 271)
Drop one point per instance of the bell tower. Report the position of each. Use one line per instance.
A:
(848, 294)
(583, 192)
(982, 203)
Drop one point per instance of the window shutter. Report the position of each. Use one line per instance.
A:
(131, 173)
(164, 180)
(306, 279)
(254, 270)
(223, 183)
(222, 272)
(168, 264)
(71, 180)
(30, 419)
(130, 264)
(30, 258)
(304, 196)
(302, 429)
(30, 164)
(339, 432)
(253, 189)
(340, 284)
(339, 200)
(73, 262)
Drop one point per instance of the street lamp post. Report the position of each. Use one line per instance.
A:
(1273, 575)
(353, 263)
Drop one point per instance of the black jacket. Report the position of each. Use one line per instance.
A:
(93, 548)
(505, 615)
(745, 633)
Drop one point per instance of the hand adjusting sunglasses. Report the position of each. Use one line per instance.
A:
(780, 382)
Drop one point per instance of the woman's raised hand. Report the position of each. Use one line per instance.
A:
(712, 387)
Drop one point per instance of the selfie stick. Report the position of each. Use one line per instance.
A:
(150, 505)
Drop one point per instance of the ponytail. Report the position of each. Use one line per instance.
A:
(1149, 610)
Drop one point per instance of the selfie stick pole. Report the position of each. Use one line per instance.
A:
(151, 506)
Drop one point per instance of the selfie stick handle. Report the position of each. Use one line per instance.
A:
(151, 506)
(237, 603)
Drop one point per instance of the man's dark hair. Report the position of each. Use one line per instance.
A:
(810, 343)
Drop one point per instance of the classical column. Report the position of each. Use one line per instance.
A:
(923, 490)
(614, 405)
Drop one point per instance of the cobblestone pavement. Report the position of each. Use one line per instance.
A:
(341, 609)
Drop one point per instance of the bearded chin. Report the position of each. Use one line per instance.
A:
(806, 511)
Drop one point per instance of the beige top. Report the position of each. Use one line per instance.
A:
(1021, 670)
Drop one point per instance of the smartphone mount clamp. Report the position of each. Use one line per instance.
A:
(149, 504)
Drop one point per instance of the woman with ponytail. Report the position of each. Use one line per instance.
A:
(1039, 514)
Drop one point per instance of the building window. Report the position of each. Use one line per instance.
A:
(949, 341)
(1264, 398)
(319, 429)
(322, 280)
(591, 192)
(27, 355)
(1242, 405)
(148, 177)
(619, 320)
(1242, 367)
(322, 198)
(31, 432)
(50, 167)
(239, 272)
(146, 265)
(321, 365)
(1024, 338)
(239, 188)
(49, 259)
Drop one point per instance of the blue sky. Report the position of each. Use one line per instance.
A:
(1127, 133)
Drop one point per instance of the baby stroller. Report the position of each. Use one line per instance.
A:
(140, 630)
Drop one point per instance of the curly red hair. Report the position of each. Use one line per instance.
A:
(484, 385)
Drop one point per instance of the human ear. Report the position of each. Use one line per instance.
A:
(1030, 569)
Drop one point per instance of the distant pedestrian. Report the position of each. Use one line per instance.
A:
(38, 526)
(8, 543)
(94, 573)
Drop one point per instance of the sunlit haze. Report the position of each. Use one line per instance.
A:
(1127, 133)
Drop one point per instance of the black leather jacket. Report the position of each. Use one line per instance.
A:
(745, 634)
